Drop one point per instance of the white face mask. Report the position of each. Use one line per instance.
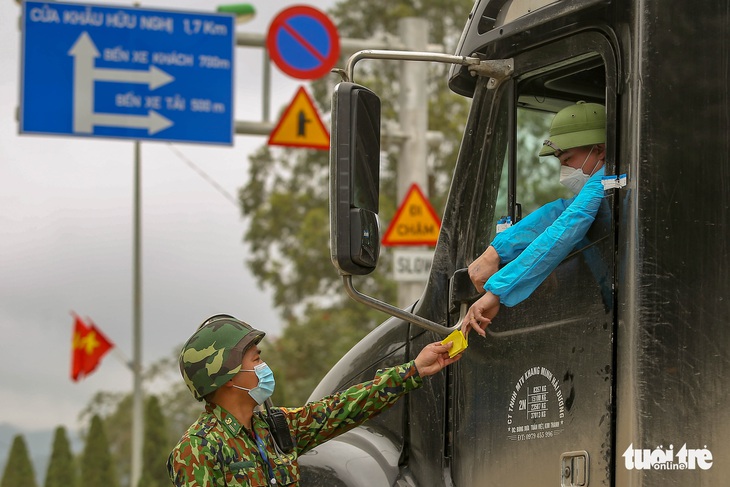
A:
(574, 178)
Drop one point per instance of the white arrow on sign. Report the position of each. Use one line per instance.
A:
(155, 77)
(84, 53)
(153, 121)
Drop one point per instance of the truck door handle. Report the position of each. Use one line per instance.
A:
(574, 468)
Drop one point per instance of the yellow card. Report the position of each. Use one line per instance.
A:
(459, 345)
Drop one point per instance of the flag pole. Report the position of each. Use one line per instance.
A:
(136, 364)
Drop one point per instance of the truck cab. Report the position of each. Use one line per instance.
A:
(615, 370)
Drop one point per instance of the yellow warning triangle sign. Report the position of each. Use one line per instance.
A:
(415, 222)
(300, 125)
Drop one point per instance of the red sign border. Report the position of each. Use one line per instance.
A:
(278, 59)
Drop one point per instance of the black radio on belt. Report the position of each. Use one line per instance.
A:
(279, 428)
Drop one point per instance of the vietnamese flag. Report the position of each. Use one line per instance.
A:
(89, 345)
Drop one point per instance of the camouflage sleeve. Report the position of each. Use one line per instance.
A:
(321, 420)
(193, 464)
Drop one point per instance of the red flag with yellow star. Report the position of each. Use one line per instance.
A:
(89, 345)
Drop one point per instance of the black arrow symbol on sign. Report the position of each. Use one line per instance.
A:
(303, 120)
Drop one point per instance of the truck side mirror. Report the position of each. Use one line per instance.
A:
(354, 179)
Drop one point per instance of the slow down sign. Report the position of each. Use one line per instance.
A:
(415, 222)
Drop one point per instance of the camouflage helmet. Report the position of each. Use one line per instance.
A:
(213, 355)
(576, 126)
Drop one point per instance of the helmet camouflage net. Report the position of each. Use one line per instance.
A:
(213, 355)
(578, 125)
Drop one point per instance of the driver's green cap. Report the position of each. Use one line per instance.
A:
(576, 126)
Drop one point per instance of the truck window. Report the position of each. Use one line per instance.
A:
(537, 177)
(536, 100)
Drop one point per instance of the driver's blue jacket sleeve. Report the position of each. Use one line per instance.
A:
(535, 246)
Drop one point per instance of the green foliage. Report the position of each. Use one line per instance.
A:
(114, 411)
(180, 409)
(179, 406)
(317, 339)
(538, 177)
(286, 201)
(446, 18)
(18, 469)
(62, 469)
(538, 180)
(156, 446)
(97, 465)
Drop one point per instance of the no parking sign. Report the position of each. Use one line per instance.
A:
(303, 42)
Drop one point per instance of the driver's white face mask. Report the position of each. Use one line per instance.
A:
(574, 178)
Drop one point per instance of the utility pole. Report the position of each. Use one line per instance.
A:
(411, 167)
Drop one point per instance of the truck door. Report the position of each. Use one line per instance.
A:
(533, 403)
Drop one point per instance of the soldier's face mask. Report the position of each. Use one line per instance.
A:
(265, 389)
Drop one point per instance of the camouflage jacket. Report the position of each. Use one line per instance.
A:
(218, 451)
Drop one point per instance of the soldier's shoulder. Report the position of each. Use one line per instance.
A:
(201, 433)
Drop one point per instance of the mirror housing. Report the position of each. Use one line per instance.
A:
(355, 179)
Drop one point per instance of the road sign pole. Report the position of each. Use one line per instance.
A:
(137, 411)
(414, 124)
(266, 98)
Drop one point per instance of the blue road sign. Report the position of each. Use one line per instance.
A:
(96, 71)
(303, 42)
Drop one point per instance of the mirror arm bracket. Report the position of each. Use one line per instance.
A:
(393, 311)
(497, 70)
(348, 73)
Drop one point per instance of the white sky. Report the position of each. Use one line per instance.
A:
(66, 238)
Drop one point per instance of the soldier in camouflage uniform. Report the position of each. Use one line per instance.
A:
(231, 443)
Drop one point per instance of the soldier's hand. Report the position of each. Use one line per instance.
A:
(434, 357)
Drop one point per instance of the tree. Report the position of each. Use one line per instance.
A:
(156, 446)
(97, 466)
(115, 409)
(62, 466)
(179, 406)
(286, 200)
(18, 469)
